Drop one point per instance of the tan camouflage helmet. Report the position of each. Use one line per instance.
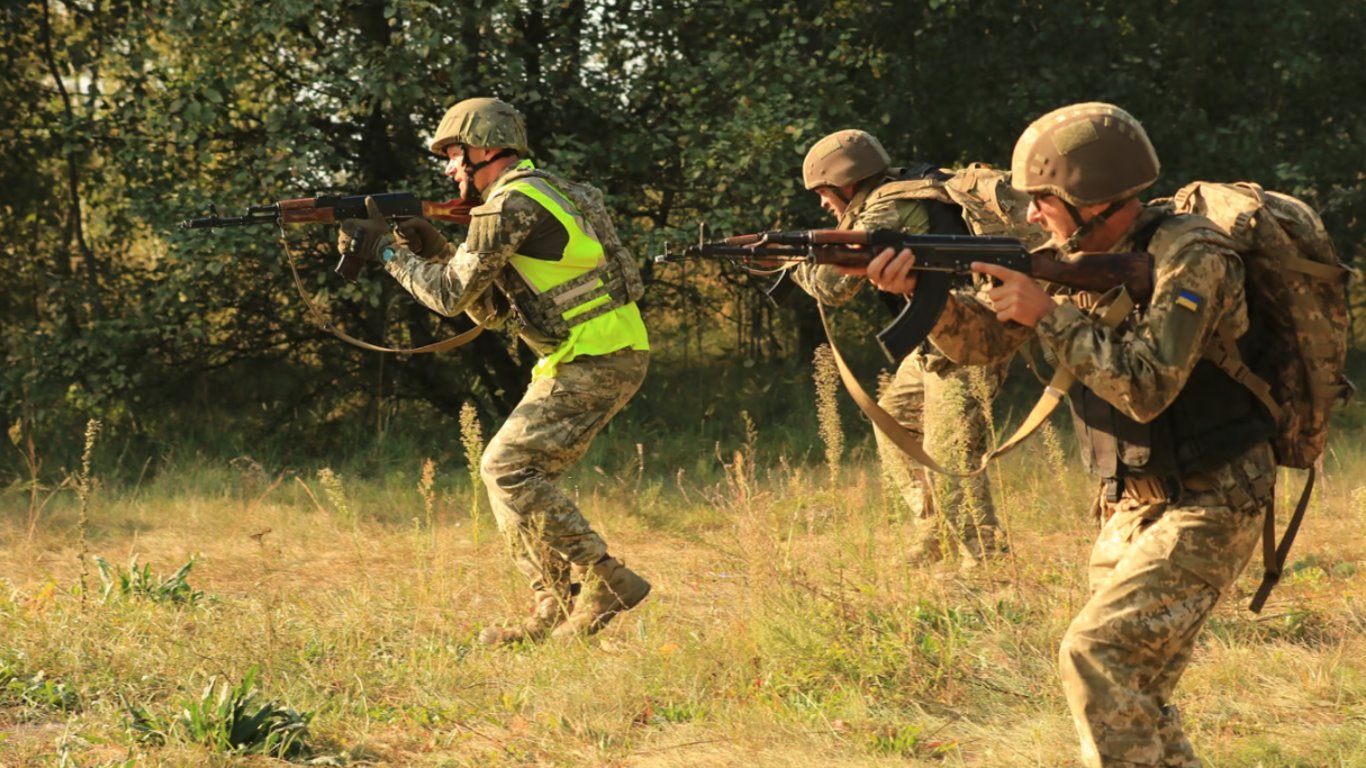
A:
(481, 122)
(1085, 154)
(843, 158)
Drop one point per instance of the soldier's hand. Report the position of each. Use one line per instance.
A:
(1017, 297)
(419, 236)
(890, 271)
(369, 238)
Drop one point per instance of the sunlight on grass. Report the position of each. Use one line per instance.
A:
(785, 627)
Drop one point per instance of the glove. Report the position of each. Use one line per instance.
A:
(370, 239)
(419, 236)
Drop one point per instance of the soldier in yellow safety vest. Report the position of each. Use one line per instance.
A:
(548, 247)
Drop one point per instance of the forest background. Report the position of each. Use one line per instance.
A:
(126, 117)
(168, 398)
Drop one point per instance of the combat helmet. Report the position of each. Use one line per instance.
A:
(1086, 154)
(843, 158)
(481, 122)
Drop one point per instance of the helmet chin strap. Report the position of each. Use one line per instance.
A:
(1084, 228)
(472, 168)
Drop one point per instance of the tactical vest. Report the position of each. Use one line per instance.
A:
(976, 200)
(586, 282)
(1212, 420)
(922, 183)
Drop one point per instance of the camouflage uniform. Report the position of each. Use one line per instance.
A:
(578, 385)
(1164, 554)
(954, 425)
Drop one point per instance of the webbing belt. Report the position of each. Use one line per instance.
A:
(1273, 556)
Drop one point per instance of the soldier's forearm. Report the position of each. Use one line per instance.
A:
(434, 284)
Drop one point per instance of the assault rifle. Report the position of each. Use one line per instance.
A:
(333, 209)
(939, 259)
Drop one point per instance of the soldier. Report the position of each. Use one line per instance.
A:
(546, 246)
(1180, 449)
(852, 174)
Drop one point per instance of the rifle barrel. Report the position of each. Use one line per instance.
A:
(256, 214)
(332, 209)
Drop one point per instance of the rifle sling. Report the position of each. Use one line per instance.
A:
(1061, 382)
(883, 421)
(459, 340)
(912, 445)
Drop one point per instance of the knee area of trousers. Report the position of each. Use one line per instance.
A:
(1086, 645)
(491, 466)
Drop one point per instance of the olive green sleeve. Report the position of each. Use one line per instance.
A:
(831, 288)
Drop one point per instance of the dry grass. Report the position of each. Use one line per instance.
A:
(784, 629)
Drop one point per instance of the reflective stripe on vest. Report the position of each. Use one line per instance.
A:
(577, 283)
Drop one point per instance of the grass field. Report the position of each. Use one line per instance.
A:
(333, 621)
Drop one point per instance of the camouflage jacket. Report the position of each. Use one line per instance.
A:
(833, 289)
(1142, 365)
(476, 277)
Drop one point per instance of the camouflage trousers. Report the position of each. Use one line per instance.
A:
(944, 402)
(546, 434)
(1156, 571)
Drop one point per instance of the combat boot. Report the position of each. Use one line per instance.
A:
(609, 588)
(554, 595)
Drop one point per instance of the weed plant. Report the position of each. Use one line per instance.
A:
(21, 691)
(231, 719)
(134, 583)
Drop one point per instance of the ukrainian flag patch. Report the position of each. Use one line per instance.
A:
(1189, 300)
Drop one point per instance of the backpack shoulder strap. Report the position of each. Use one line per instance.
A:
(1170, 232)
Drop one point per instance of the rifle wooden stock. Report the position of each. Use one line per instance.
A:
(453, 211)
(1098, 272)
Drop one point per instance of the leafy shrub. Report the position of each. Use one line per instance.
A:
(134, 583)
(234, 719)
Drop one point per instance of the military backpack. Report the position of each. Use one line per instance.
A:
(1296, 293)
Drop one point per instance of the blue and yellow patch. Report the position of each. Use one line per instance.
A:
(1189, 300)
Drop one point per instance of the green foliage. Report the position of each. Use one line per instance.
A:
(127, 117)
(900, 741)
(134, 583)
(37, 691)
(234, 719)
